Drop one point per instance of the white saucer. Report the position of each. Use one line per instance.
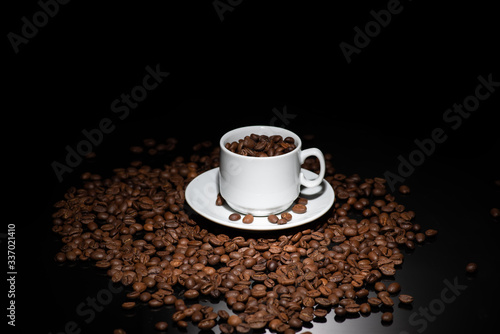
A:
(202, 191)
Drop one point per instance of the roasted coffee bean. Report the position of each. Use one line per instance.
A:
(495, 212)
(431, 232)
(393, 288)
(282, 221)
(352, 308)
(365, 308)
(197, 316)
(302, 201)
(387, 317)
(299, 208)
(379, 286)
(243, 328)
(155, 303)
(262, 145)
(234, 216)
(420, 237)
(286, 215)
(405, 299)
(119, 331)
(273, 219)
(128, 305)
(386, 300)
(191, 294)
(320, 312)
(145, 296)
(219, 201)
(161, 326)
(226, 328)
(374, 301)
(206, 324)
(471, 267)
(234, 320)
(340, 311)
(248, 219)
(403, 189)
(295, 323)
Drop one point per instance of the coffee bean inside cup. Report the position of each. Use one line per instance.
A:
(255, 145)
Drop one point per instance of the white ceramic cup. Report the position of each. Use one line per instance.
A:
(262, 186)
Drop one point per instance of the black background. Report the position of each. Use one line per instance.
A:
(258, 61)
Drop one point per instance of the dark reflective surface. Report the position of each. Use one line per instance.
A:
(387, 105)
(452, 191)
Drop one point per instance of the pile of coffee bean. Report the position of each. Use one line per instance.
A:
(256, 145)
(136, 225)
(299, 208)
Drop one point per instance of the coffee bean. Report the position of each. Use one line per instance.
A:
(431, 232)
(403, 189)
(219, 201)
(386, 300)
(352, 308)
(302, 201)
(394, 288)
(128, 305)
(374, 301)
(365, 308)
(282, 221)
(286, 215)
(405, 299)
(299, 208)
(387, 317)
(234, 216)
(262, 145)
(243, 328)
(161, 326)
(295, 323)
(191, 294)
(226, 328)
(155, 303)
(495, 212)
(206, 324)
(234, 320)
(471, 267)
(273, 219)
(119, 331)
(340, 311)
(420, 237)
(248, 219)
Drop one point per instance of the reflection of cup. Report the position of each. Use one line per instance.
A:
(264, 185)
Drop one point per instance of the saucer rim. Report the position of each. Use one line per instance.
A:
(272, 227)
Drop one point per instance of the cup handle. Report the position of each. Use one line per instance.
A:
(317, 153)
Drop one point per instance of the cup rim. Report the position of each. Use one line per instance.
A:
(227, 134)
